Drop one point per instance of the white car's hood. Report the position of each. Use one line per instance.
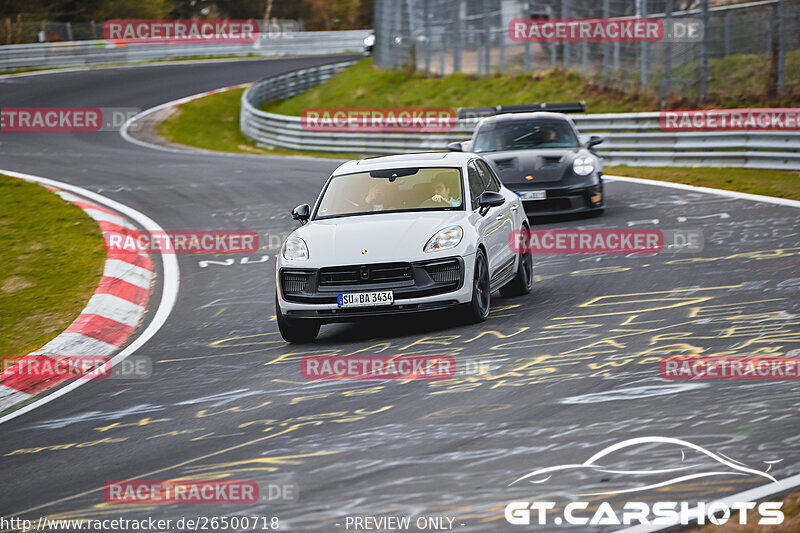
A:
(375, 238)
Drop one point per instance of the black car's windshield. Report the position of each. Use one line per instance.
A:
(423, 189)
(525, 135)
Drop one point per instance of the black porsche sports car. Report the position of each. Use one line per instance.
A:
(541, 156)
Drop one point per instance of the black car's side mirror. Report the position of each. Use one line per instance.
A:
(302, 213)
(489, 199)
(455, 147)
(594, 140)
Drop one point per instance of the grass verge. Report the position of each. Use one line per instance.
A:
(54, 256)
(364, 85)
(212, 123)
(781, 183)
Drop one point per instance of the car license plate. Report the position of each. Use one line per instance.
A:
(363, 299)
(533, 195)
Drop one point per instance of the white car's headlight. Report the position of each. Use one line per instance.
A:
(444, 239)
(583, 166)
(295, 249)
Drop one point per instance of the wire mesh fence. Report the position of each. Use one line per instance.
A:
(750, 48)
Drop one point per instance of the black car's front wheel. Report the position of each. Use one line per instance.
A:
(295, 331)
(478, 309)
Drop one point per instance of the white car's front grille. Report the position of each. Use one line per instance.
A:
(360, 274)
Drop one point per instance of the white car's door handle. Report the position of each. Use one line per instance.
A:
(513, 208)
(501, 216)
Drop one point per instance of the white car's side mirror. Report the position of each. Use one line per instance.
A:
(302, 213)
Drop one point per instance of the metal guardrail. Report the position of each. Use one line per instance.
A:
(630, 138)
(83, 53)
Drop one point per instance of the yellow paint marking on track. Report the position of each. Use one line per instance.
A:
(165, 469)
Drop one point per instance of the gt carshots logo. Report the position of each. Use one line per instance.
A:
(634, 513)
(622, 463)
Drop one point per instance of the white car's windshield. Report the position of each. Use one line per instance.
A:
(392, 190)
(525, 135)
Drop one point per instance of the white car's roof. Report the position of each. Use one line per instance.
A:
(426, 159)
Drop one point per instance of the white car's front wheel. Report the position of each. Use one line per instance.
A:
(478, 309)
(295, 331)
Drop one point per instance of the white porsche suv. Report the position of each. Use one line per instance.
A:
(401, 234)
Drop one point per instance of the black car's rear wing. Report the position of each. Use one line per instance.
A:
(480, 112)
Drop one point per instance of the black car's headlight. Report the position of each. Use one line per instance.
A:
(583, 166)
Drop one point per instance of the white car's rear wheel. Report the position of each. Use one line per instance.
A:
(523, 281)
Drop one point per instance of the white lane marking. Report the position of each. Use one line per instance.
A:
(710, 190)
(169, 294)
(694, 217)
(653, 221)
(75, 344)
(135, 275)
(123, 131)
(137, 65)
(114, 308)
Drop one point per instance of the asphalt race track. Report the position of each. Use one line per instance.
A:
(561, 373)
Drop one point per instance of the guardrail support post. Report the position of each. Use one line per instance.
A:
(606, 46)
(566, 47)
(728, 31)
(666, 84)
(644, 56)
(426, 7)
(704, 51)
(459, 7)
(487, 37)
(781, 46)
